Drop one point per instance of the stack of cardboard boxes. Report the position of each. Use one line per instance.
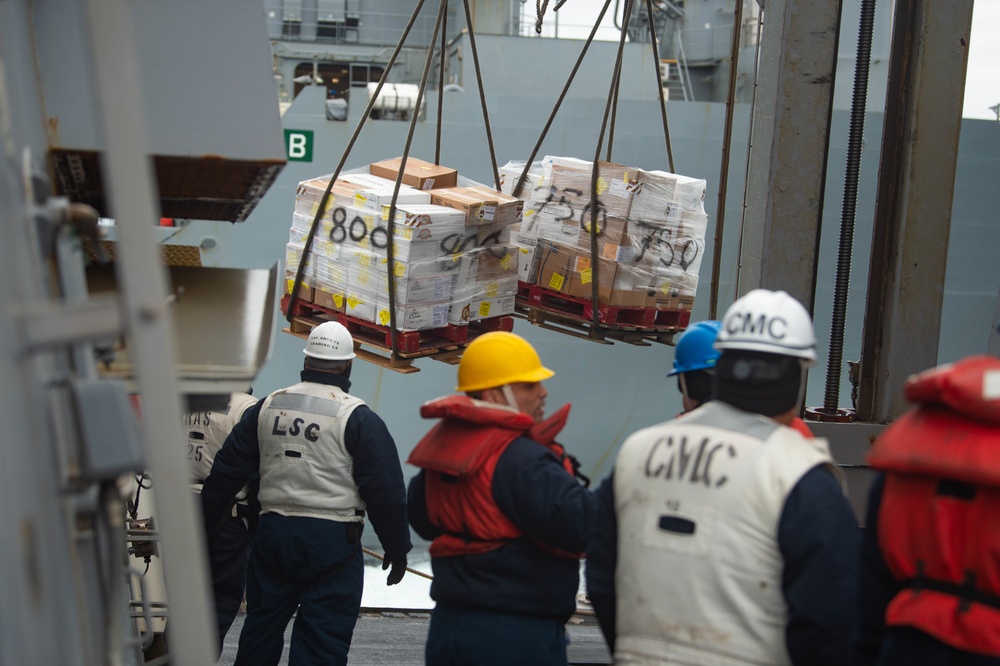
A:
(650, 232)
(452, 257)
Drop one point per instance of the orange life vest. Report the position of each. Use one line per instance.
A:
(460, 455)
(937, 527)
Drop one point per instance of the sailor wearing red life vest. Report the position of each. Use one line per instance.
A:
(929, 589)
(507, 517)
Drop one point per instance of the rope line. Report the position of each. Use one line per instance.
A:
(321, 208)
(377, 556)
(562, 95)
(540, 7)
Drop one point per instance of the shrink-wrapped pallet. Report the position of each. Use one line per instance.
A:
(650, 232)
(451, 263)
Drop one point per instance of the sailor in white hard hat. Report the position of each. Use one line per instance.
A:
(325, 461)
(723, 535)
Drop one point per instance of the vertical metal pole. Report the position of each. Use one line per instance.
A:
(127, 172)
(912, 217)
(790, 138)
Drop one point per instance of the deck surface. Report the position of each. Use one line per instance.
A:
(397, 638)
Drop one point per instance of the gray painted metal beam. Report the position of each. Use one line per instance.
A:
(128, 171)
(790, 139)
(913, 214)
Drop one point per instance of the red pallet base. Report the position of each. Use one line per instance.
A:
(411, 343)
(533, 296)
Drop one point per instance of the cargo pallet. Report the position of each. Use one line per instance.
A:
(574, 316)
(373, 342)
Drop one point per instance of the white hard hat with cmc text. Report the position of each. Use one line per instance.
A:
(768, 321)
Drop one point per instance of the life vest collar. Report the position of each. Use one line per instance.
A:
(478, 412)
(970, 387)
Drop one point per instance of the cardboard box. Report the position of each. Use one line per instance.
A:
(496, 262)
(293, 255)
(527, 264)
(480, 204)
(511, 172)
(462, 313)
(418, 290)
(429, 222)
(475, 290)
(305, 292)
(328, 296)
(376, 198)
(569, 273)
(417, 173)
(362, 306)
(415, 317)
(616, 185)
(555, 263)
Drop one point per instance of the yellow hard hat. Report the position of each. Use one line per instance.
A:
(499, 358)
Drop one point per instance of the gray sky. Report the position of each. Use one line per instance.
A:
(982, 84)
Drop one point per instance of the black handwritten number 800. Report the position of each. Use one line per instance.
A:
(357, 230)
(339, 218)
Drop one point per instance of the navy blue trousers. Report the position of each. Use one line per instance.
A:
(305, 564)
(227, 560)
(475, 637)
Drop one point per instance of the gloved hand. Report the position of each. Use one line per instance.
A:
(398, 565)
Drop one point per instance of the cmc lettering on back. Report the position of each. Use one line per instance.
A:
(282, 428)
(750, 324)
(679, 459)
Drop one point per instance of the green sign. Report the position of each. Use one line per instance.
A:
(299, 145)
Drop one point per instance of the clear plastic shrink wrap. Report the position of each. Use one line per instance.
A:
(650, 232)
(453, 260)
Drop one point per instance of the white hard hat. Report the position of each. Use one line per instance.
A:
(768, 321)
(330, 341)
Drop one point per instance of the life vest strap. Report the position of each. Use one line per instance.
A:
(966, 590)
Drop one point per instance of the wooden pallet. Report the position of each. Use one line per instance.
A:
(574, 316)
(373, 342)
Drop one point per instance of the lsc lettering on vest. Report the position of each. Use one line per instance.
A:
(310, 432)
(673, 458)
(750, 324)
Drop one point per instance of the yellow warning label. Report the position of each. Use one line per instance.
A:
(601, 185)
(338, 300)
(557, 281)
(484, 309)
(360, 200)
(353, 302)
(586, 276)
(291, 285)
(383, 317)
(363, 277)
(492, 289)
(665, 287)
(398, 269)
(506, 261)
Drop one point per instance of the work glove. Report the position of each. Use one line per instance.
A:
(398, 565)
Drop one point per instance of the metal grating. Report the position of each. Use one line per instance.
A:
(202, 188)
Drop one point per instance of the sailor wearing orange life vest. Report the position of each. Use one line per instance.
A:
(507, 518)
(722, 537)
(930, 570)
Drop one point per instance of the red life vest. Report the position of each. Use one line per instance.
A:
(460, 454)
(938, 529)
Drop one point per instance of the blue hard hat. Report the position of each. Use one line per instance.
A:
(695, 350)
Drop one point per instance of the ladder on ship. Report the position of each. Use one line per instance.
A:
(675, 83)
